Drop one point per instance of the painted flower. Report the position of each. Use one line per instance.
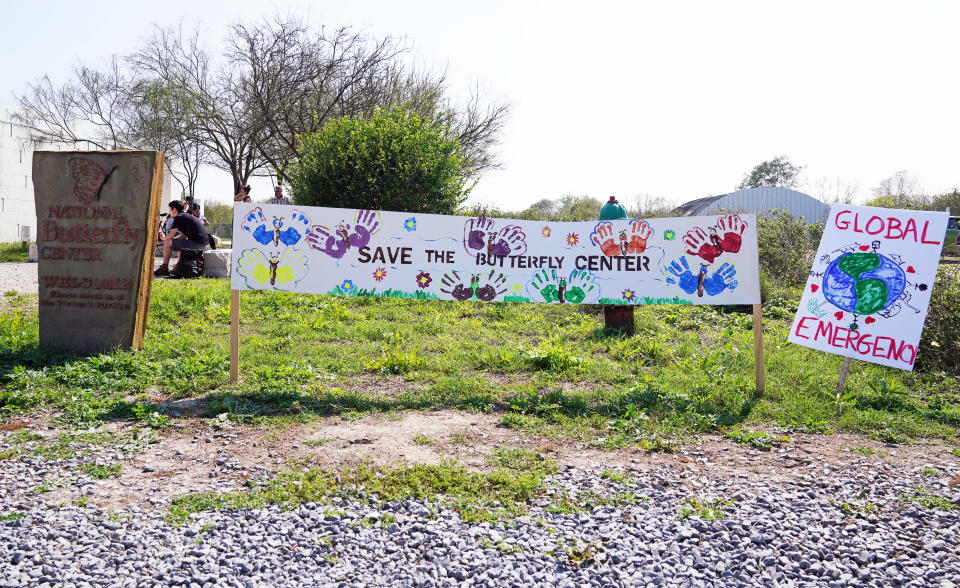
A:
(423, 280)
(379, 274)
(629, 295)
(347, 286)
(410, 224)
(517, 287)
(545, 231)
(669, 235)
(572, 238)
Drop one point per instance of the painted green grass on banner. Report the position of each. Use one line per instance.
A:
(391, 293)
(644, 300)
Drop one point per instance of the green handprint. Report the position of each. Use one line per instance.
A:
(580, 285)
(545, 284)
(552, 287)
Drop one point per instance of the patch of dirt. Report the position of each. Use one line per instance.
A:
(195, 457)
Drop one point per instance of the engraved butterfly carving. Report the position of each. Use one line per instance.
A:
(88, 179)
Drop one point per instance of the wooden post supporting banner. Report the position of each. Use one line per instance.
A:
(844, 369)
(758, 348)
(234, 335)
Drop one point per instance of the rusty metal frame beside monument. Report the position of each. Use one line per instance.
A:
(97, 214)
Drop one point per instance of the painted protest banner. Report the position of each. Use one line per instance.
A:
(98, 215)
(686, 260)
(870, 285)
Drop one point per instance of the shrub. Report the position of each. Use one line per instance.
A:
(392, 160)
(940, 342)
(787, 249)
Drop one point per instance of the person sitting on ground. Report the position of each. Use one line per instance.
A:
(243, 194)
(187, 232)
(278, 197)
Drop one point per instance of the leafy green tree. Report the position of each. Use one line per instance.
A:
(777, 172)
(392, 160)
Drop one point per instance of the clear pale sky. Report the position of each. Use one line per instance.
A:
(671, 99)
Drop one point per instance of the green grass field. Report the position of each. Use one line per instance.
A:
(548, 370)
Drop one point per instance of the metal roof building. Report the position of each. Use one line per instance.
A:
(758, 200)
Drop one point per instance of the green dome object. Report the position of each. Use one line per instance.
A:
(613, 210)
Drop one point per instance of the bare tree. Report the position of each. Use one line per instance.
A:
(84, 110)
(219, 118)
(835, 190)
(243, 112)
(298, 79)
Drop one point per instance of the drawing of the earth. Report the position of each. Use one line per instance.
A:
(863, 283)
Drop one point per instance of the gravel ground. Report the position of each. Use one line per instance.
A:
(20, 277)
(855, 525)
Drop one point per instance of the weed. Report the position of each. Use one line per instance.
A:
(929, 500)
(316, 442)
(421, 439)
(99, 472)
(82, 501)
(758, 439)
(708, 510)
(477, 497)
(615, 476)
(955, 452)
(12, 516)
(864, 450)
(458, 439)
(929, 471)
(149, 414)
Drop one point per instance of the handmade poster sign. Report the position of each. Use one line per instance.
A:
(687, 260)
(98, 214)
(870, 285)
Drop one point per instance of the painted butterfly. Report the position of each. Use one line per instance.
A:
(88, 179)
(287, 230)
(272, 270)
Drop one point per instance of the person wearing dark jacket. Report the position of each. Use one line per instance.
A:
(186, 232)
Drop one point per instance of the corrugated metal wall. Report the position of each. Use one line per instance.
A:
(761, 200)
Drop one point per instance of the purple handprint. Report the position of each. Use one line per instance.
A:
(323, 241)
(510, 240)
(368, 221)
(475, 233)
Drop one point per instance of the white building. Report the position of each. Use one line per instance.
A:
(17, 212)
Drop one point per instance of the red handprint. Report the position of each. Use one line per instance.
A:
(603, 237)
(698, 244)
(732, 227)
(640, 231)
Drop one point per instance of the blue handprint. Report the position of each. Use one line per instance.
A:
(721, 279)
(682, 276)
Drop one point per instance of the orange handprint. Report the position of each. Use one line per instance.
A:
(603, 237)
(640, 231)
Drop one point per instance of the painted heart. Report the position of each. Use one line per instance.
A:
(864, 247)
(839, 315)
(870, 320)
(814, 287)
(910, 270)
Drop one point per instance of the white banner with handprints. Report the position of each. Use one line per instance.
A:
(686, 260)
(870, 285)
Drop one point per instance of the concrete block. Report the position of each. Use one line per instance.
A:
(216, 263)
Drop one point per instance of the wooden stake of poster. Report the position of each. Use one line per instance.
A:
(758, 348)
(844, 369)
(234, 335)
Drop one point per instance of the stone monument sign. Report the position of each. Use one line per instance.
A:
(97, 216)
